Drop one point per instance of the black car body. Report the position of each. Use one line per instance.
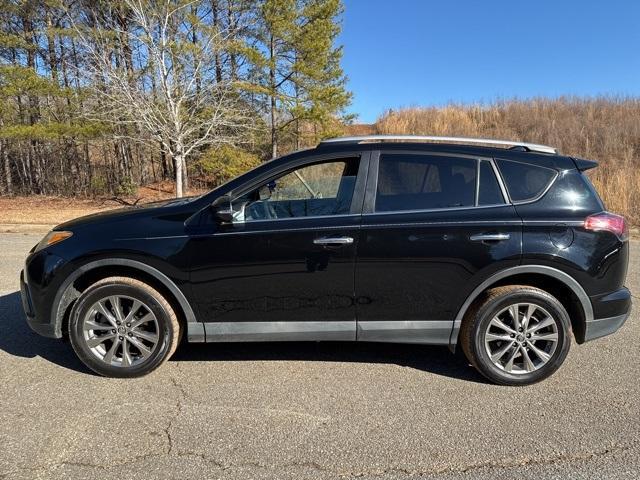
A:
(398, 250)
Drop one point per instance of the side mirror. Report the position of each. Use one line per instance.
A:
(221, 209)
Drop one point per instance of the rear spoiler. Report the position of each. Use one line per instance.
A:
(582, 164)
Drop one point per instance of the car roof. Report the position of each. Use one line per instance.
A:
(559, 162)
(525, 146)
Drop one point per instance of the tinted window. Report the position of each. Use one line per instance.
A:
(319, 189)
(416, 182)
(525, 181)
(489, 192)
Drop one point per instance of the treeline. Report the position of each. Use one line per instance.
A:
(99, 97)
(604, 129)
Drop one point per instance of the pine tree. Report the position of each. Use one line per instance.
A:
(321, 94)
(296, 67)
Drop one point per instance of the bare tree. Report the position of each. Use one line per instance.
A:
(173, 94)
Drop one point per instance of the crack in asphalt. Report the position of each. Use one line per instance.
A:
(552, 460)
(557, 459)
(179, 404)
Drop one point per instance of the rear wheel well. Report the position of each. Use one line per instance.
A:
(92, 276)
(555, 287)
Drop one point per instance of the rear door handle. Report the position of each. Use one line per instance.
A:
(489, 237)
(333, 241)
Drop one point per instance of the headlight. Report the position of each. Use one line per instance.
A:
(52, 238)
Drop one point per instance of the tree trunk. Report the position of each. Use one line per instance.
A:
(7, 169)
(185, 175)
(163, 160)
(272, 81)
(217, 61)
(51, 46)
(231, 21)
(178, 162)
(194, 41)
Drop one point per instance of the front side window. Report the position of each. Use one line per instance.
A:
(314, 190)
(421, 182)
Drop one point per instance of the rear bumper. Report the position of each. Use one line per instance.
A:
(612, 311)
(602, 327)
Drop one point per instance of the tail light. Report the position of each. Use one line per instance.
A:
(608, 222)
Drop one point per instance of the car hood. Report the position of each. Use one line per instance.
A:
(129, 212)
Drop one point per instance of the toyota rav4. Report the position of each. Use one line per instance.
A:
(501, 248)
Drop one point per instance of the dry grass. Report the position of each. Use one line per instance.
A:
(37, 210)
(43, 210)
(602, 129)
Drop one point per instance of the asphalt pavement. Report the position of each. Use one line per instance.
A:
(311, 410)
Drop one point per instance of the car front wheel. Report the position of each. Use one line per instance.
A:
(122, 327)
(516, 335)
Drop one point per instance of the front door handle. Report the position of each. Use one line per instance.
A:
(489, 237)
(333, 241)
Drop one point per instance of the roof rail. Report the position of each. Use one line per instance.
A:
(533, 147)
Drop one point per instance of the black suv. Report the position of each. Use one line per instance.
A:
(508, 252)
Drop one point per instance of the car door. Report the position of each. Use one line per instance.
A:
(433, 225)
(284, 268)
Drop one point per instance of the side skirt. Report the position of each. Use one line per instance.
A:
(428, 332)
(279, 331)
(424, 332)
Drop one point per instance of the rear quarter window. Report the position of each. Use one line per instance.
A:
(525, 181)
(571, 194)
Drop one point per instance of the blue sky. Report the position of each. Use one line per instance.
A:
(427, 52)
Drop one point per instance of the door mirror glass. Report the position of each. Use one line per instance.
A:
(221, 209)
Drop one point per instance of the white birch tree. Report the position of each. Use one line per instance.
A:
(151, 65)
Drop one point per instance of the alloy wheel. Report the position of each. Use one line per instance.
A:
(121, 331)
(521, 338)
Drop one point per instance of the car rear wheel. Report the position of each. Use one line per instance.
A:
(122, 327)
(516, 335)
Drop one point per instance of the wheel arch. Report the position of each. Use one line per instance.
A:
(556, 282)
(90, 272)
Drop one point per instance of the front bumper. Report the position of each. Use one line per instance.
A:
(39, 324)
(613, 310)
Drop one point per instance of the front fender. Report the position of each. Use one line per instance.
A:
(67, 292)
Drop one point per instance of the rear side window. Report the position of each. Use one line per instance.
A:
(489, 192)
(525, 181)
(421, 182)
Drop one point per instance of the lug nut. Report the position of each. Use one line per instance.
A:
(528, 335)
(113, 330)
(121, 337)
(515, 344)
(520, 329)
(513, 335)
(128, 325)
(118, 322)
(130, 334)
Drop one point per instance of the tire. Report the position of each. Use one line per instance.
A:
(116, 342)
(528, 355)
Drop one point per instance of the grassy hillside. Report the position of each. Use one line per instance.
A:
(602, 129)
